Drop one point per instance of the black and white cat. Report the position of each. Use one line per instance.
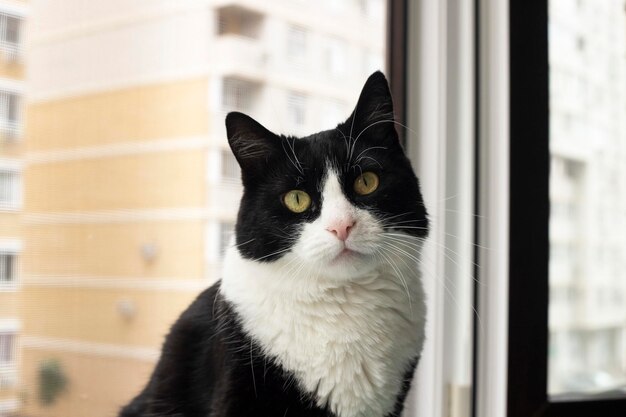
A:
(320, 309)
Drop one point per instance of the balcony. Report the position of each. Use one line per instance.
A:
(238, 41)
(240, 56)
(239, 20)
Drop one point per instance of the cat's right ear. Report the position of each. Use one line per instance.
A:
(251, 143)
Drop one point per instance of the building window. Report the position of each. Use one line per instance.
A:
(8, 341)
(558, 210)
(296, 43)
(10, 36)
(10, 188)
(230, 167)
(296, 108)
(236, 20)
(239, 95)
(8, 268)
(10, 123)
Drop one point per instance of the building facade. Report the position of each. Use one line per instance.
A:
(12, 28)
(130, 190)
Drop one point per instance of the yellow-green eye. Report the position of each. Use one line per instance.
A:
(366, 183)
(297, 201)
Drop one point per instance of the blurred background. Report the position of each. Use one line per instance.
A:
(117, 187)
(587, 41)
(118, 192)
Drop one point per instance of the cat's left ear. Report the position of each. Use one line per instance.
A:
(373, 114)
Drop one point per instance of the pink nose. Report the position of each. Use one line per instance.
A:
(341, 229)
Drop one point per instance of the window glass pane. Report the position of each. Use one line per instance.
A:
(7, 267)
(296, 43)
(10, 36)
(13, 30)
(6, 348)
(130, 190)
(588, 196)
(296, 107)
(8, 185)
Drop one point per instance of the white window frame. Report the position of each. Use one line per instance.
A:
(491, 397)
(14, 167)
(441, 114)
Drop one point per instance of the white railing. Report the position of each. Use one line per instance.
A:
(8, 376)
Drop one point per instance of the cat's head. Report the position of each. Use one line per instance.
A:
(336, 199)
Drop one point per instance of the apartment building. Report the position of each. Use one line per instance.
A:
(130, 190)
(12, 17)
(588, 243)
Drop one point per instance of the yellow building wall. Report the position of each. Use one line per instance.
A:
(115, 249)
(97, 385)
(88, 219)
(10, 224)
(149, 180)
(133, 114)
(11, 147)
(8, 393)
(91, 315)
(9, 302)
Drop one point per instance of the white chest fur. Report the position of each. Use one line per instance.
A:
(349, 343)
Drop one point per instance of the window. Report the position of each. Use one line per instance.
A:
(565, 347)
(10, 188)
(10, 114)
(296, 108)
(296, 44)
(10, 35)
(584, 184)
(239, 95)
(8, 268)
(8, 349)
(8, 357)
(235, 20)
(120, 138)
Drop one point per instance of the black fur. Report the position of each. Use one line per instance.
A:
(209, 366)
